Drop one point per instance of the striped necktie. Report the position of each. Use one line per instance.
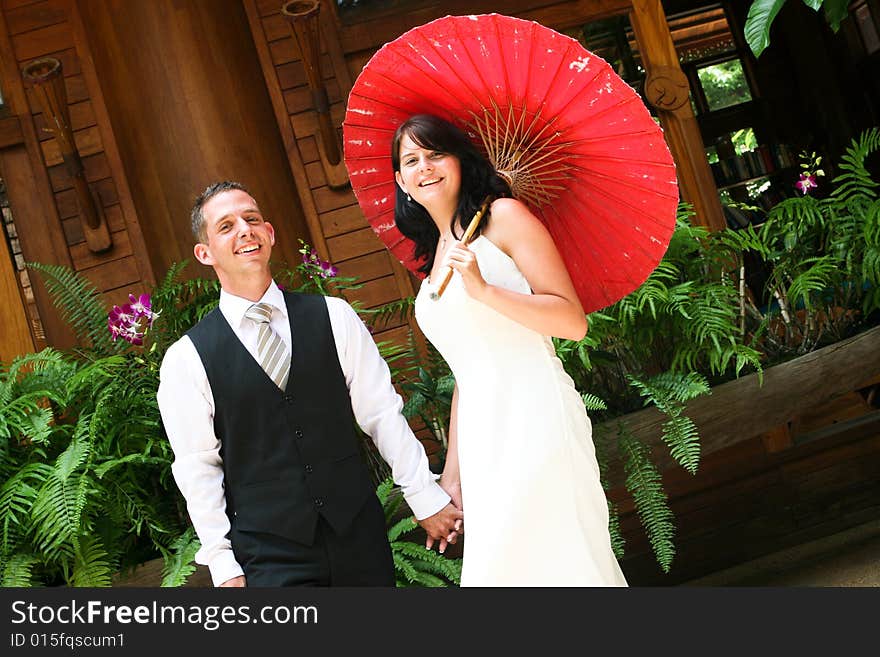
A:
(272, 354)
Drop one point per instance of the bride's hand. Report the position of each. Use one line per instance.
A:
(453, 489)
(463, 260)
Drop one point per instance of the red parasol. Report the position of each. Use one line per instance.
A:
(581, 148)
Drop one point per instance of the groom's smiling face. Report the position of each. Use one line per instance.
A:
(239, 241)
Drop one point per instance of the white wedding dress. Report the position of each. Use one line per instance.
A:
(535, 511)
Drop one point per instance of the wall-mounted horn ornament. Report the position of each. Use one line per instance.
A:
(303, 17)
(46, 79)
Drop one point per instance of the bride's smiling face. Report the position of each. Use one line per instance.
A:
(428, 175)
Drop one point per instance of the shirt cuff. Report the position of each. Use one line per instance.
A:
(224, 567)
(427, 501)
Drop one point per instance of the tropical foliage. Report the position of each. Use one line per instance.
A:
(414, 564)
(763, 12)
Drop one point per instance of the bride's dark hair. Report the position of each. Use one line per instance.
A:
(478, 180)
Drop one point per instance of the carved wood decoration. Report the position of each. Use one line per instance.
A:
(667, 88)
(302, 16)
(665, 92)
(47, 81)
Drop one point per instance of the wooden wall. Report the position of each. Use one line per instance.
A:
(188, 107)
(39, 189)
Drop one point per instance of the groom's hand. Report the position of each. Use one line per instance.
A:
(443, 526)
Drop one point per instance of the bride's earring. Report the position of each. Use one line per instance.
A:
(408, 198)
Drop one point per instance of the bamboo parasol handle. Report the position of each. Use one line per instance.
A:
(465, 239)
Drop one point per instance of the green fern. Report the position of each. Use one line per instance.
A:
(80, 304)
(18, 571)
(180, 558)
(414, 564)
(643, 481)
(856, 179)
(669, 392)
(92, 567)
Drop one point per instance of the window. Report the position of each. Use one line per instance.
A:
(723, 84)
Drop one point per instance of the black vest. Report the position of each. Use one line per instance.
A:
(288, 456)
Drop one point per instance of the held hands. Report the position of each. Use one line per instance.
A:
(443, 526)
(463, 260)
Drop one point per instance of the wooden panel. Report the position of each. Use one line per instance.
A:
(84, 258)
(375, 292)
(299, 99)
(293, 75)
(37, 43)
(96, 168)
(15, 338)
(182, 84)
(119, 295)
(68, 205)
(305, 124)
(284, 51)
(352, 245)
(268, 7)
(38, 234)
(73, 231)
(368, 267)
(370, 34)
(308, 149)
(13, 4)
(327, 199)
(315, 175)
(114, 274)
(88, 142)
(33, 16)
(10, 131)
(845, 407)
(343, 220)
(81, 116)
(75, 89)
(399, 336)
(276, 27)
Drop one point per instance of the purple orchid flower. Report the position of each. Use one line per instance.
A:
(125, 321)
(805, 183)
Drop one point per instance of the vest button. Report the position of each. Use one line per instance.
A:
(298, 433)
(288, 399)
(309, 468)
(319, 501)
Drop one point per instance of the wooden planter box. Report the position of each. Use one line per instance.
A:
(785, 462)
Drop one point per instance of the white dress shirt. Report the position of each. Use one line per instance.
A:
(187, 407)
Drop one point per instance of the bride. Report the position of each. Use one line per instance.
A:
(520, 459)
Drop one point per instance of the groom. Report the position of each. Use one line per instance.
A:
(259, 401)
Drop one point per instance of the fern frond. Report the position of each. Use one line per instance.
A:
(92, 566)
(395, 311)
(618, 543)
(180, 560)
(855, 179)
(593, 403)
(403, 526)
(644, 483)
(18, 571)
(80, 304)
(669, 392)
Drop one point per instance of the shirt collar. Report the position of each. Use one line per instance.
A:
(234, 308)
